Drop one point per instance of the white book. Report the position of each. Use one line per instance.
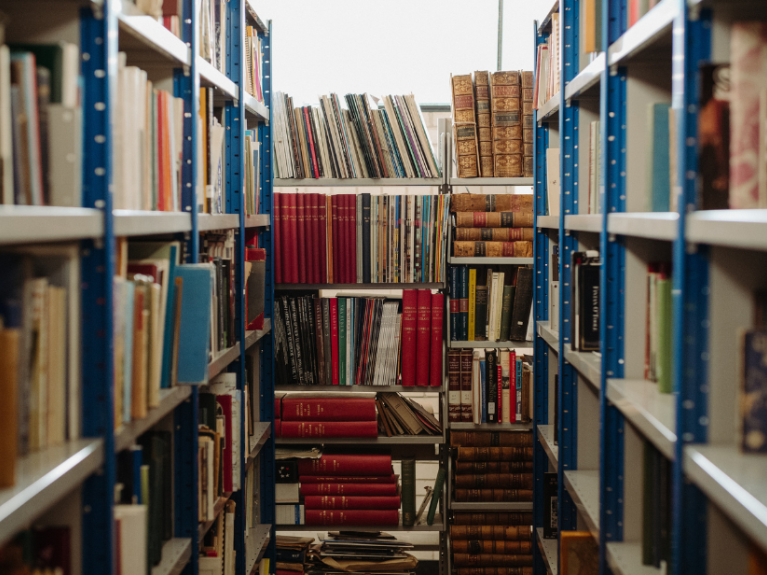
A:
(506, 387)
(6, 123)
(132, 538)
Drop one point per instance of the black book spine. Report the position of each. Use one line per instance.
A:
(365, 238)
(326, 337)
(292, 362)
(297, 341)
(588, 278)
(480, 312)
(302, 333)
(491, 378)
(373, 353)
(523, 299)
(550, 505)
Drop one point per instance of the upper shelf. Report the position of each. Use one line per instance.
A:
(584, 223)
(583, 486)
(549, 222)
(147, 223)
(625, 558)
(731, 228)
(143, 37)
(207, 222)
(491, 181)
(588, 78)
(550, 336)
(550, 109)
(355, 182)
(653, 30)
(211, 77)
(38, 224)
(651, 225)
(256, 108)
(587, 364)
(545, 24)
(546, 437)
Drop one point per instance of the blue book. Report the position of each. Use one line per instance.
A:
(464, 323)
(16, 270)
(658, 179)
(136, 453)
(483, 390)
(455, 302)
(130, 290)
(194, 333)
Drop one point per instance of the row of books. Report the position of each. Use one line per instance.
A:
(493, 124)
(492, 225)
(212, 23)
(493, 386)
(217, 553)
(359, 341)
(490, 303)
(41, 119)
(492, 543)
(360, 238)
(254, 63)
(39, 551)
(658, 326)
(373, 138)
(548, 66)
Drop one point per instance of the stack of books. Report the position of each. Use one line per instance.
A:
(370, 139)
(311, 415)
(217, 553)
(493, 466)
(213, 25)
(254, 59)
(475, 531)
(360, 238)
(40, 550)
(292, 553)
(493, 386)
(399, 415)
(358, 552)
(211, 151)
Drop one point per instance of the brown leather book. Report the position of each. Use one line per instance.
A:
(507, 132)
(493, 234)
(494, 481)
(493, 519)
(492, 532)
(493, 249)
(469, 467)
(491, 203)
(495, 453)
(493, 495)
(491, 439)
(484, 123)
(508, 165)
(523, 219)
(507, 147)
(527, 80)
(491, 560)
(475, 546)
(495, 571)
(9, 384)
(465, 126)
(527, 379)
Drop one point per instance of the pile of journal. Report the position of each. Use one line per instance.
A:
(363, 552)
(292, 554)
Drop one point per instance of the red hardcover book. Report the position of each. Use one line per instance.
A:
(316, 171)
(349, 489)
(352, 502)
(277, 214)
(513, 386)
(343, 464)
(466, 399)
(409, 321)
(314, 243)
(353, 517)
(329, 232)
(322, 227)
(334, 337)
(337, 240)
(437, 312)
(454, 385)
(277, 408)
(499, 387)
(353, 237)
(278, 427)
(383, 479)
(340, 231)
(292, 239)
(301, 228)
(225, 401)
(347, 245)
(423, 337)
(298, 408)
(320, 429)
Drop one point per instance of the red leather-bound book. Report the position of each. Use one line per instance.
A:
(316, 171)
(334, 338)
(423, 337)
(320, 429)
(337, 275)
(340, 232)
(347, 245)
(298, 408)
(292, 251)
(349, 489)
(382, 479)
(322, 227)
(500, 390)
(466, 403)
(301, 227)
(277, 215)
(513, 386)
(277, 408)
(353, 517)
(225, 401)
(353, 237)
(437, 312)
(352, 502)
(314, 244)
(409, 315)
(278, 428)
(343, 464)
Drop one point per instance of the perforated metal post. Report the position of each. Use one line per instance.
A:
(98, 40)
(691, 47)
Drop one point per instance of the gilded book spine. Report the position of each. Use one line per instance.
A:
(491, 439)
(495, 481)
(504, 519)
(491, 532)
(484, 127)
(527, 124)
(494, 495)
(465, 126)
(507, 133)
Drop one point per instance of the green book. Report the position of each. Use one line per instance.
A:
(408, 492)
(665, 336)
(438, 483)
(342, 341)
(507, 306)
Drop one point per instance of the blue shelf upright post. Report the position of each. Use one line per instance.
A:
(187, 86)
(612, 198)
(98, 41)
(541, 348)
(266, 206)
(691, 46)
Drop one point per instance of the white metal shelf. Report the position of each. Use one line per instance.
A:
(583, 487)
(625, 558)
(256, 108)
(549, 552)
(257, 220)
(464, 426)
(488, 344)
(438, 525)
(491, 181)
(211, 77)
(169, 400)
(254, 335)
(359, 388)
(731, 228)
(218, 508)
(208, 222)
(584, 223)
(148, 223)
(586, 79)
(546, 22)
(43, 479)
(38, 224)
(176, 553)
(495, 506)
(355, 182)
(261, 432)
(550, 109)
(653, 413)
(256, 542)
(550, 336)
(490, 261)
(587, 364)
(145, 33)
(549, 222)
(650, 225)
(546, 437)
(654, 25)
(222, 360)
(734, 482)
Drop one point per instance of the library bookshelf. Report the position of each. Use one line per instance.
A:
(607, 410)
(76, 481)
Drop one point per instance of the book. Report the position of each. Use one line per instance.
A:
(346, 464)
(482, 220)
(352, 502)
(753, 438)
(494, 481)
(553, 189)
(480, 249)
(492, 560)
(436, 348)
(436, 494)
(492, 546)
(454, 385)
(465, 126)
(466, 379)
(348, 489)
(306, 407)
(352, 517)
(475, 203)
(484, 123)
(328, 429)
(494, 453)
(657, 180)
(474, 467)
(579, 553)
(490, 439)
(505, 92)
(713, 135)
(491, 532)
(423, 337)
(523, 298)
(550, 505)
(408, 492)
(491, 379)
(491, 518)
(585, 295)
(493, 234)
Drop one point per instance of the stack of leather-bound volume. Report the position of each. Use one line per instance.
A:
(492, 543)
(492, 225)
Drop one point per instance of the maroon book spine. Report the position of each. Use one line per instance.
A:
(322, 225)
(320, 429)
(278, 408)
(297, 408)
(301, 227)
(353, 517)
(382, 479)
(348, 257)
(308, 235)
(409, 314)
(349, 489)
(423, 337)
(292, 251)
(353, 237)
(316, 243)
(352, 502)
(278, 228)
(337, 275)
(346, 464)
(437, 312)
(466, 365)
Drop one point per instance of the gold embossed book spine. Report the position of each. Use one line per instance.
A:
(484, 123)
(527, 124)
(505, 95)
(465, 126)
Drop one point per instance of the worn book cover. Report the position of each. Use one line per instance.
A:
(753, 403)
(519, 249)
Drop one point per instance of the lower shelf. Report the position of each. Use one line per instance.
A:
(256, 542)
(490, 506)
(217, 509)
(549, 553)
(546, 437)
(626, 559)
(583, 487)
(176, 553)
(438, 526)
